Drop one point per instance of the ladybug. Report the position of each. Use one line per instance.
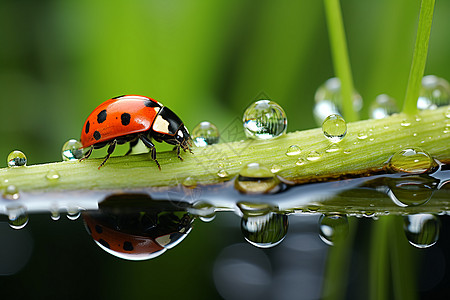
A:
(130, 118)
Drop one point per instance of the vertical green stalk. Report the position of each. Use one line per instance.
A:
(341, 61)
(419, 56)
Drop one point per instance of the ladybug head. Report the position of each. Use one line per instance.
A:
(183, 138)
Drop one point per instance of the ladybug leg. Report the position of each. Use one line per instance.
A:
(87, 154)
(150, 145)
(111, 148)
(132, 144)
(178, 152)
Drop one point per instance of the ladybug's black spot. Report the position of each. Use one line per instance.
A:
(97, 135)
(125, 118)
(104, 243)
(127, 246)
(150, 103)
(98, 228)
(101, 117)
(86, 129)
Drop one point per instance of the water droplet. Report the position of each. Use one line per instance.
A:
(265, 231)
(251, 209)
(11, 192)
(17, 159)
(347, 151)
(55, 215)
(412, 160)
(334, 128)
(205, 133)
(447, 113)
(411, 190)
(382, 107)
(264, 119)
(333, 148)
(204, 210)
(422, 230)
(18, 217)
(328, 100)
(405, 123)
(52, 175)
(313, 155)
(362, 135)
(255, 178)
(300, 162)
(333, 228)
(190, 182)
(222, 173)
(435, 92)
(73, 213)
(72, 150)
(275, 168)
(293, 150)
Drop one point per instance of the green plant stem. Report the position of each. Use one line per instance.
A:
(341, 60)
(428, 130)
(419, 56)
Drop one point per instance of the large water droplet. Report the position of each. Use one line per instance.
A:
(16, 159)
(333, 228)
(334, 128)
(328, 100)
(422, 230)
(72, 150)
(251, 209)
(255, 178)
(382, 107)
(412, 160)
(411, 190)
(18, 217)
(264, 120)
(11, 192)
(265, 231)
(205, 134)
(435, 92)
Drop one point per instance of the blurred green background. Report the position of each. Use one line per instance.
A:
(204, 60)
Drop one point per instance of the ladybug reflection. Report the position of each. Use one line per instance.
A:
(135, 227)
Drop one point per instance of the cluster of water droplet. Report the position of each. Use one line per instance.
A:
(435, 92)
(328, 100)
(205, 133)
(264, 119)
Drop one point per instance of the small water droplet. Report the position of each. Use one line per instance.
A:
(73, 213)
(251, 209)
(410, 190)
(333, 228)
(255, 178)
(328, 100)
(447, 113)
(72, 150)
(205, 133)
(412, 160)
(347, 151)
(55, 215)
(265, 231)
(11, 192)
(334, 128)
(204, 210)
(300, 162)
(293, 150)
(264, 119)
(418, 118)
(18, 217)
(405, 123)
(17, 159)
(190, 182)
(446, 130)
(435, 92)
(313, 155)
(222, 173)
(275, 168)
(52, 175)
(422, 230)
(362, 135)
(382, 107)
(333, 148)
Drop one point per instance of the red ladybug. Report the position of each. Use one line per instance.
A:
(130, 118)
